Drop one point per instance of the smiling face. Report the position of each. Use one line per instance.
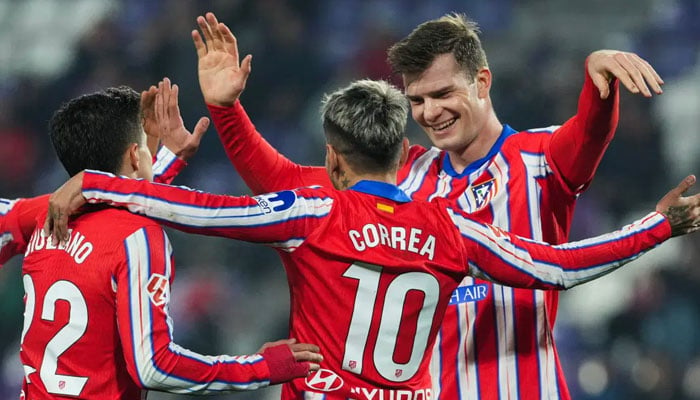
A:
(451, 107)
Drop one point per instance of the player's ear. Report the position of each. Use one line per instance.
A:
(134, 156)
(404, 152)
(331, 160)
(483, 82)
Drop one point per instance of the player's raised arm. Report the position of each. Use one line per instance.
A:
(499, 256)
(222, 79)
(155, 362)
(178, 144)
(17, 222)
(577, 146)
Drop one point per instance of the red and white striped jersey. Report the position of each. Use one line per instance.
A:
(96, 320)
(18, 216)
(371, 272)
(527, 184)
(17, 222)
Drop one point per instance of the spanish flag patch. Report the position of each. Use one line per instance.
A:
(385, 208)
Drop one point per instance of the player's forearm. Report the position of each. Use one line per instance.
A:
(260, 165)
(577, 147)
(510, 260)
(243, 218)
(177, 370)
(166, 166)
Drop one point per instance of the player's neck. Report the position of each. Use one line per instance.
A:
(478, 148)
(349, 179)
(127, 170)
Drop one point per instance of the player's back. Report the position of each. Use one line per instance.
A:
(70, 341)
(370, 286)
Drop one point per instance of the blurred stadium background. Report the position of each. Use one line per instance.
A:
(632, 335)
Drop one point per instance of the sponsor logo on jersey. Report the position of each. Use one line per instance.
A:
(277, 202)
(324, 380)
(483, 192)
(466, 294)
(158, 289)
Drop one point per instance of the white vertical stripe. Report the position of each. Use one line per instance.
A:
(138, 306)
(436, 366)
(467, 368)
(138, 255)
(536, 166)
(507, 368)
(443, 186)
(545, 350)
(164, 159)
(419, 169)
(503, 296)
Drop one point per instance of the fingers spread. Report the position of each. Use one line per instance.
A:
(199, 44)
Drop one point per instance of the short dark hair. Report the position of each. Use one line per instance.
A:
(451, 33)
(365, 122)
(93, 131)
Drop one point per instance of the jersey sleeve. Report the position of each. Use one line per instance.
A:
(577, 147)
(166, 165)
(282, 219)
(502, 257)
(154, 361)
(260, 165)
(17, 223)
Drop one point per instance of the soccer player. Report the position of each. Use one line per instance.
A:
(370, 271)
(18, 216)
(96, 323)
(498, 344)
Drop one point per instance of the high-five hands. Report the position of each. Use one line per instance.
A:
(221, 77)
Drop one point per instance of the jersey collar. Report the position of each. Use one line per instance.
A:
(381, 189)
(474, 165)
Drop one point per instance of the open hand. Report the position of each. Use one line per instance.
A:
(63, 203)
(148, 101)
(170, 126)
(683, 213)
(221, 77)
(635, 73)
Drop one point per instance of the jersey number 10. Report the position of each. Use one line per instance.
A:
(368, 277)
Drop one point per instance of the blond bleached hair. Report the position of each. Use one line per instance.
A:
(366, 121)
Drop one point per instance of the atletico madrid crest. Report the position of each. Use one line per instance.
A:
(483, 192)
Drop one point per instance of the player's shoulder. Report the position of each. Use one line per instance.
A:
(533, 132)
(532, 139)
(416, 151)
(315, 191)
(114, 222)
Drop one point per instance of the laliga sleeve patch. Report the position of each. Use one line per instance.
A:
(276, 202)
(158, 289)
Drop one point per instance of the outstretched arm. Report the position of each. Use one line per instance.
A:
(282, 220)
(577, 147)
(155, 362)
(222, 79)
(508, 259)
(17, 222)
